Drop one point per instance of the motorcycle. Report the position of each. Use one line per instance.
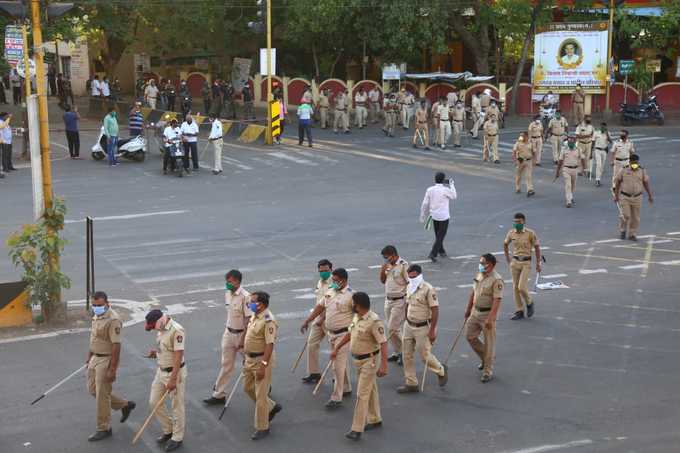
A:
(648, 110)
(133, 148)
(176, 151)
(547, 114)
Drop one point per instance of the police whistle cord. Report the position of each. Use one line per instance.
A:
(59, 384)
(231, 395)
(297, 362)
(323, 375)
(455, 342)
(148, 419)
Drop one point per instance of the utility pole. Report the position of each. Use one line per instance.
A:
(269, 139)
(27, 73)
(610, 39)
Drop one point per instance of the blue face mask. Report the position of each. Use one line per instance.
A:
(481, 268)
(99, 310)
(253, 306)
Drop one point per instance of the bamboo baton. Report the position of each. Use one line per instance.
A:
(455, 342)
(297, 362)
(231, 394)
(59, 384)
(148, 419)
(323, 375)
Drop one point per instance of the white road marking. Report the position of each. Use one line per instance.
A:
(670, 263)
(592, 271)
(221, 288)
(235, 163)
(660, 241)
(552, 447)
(377, 266)
(673, 233)
(184, 276)
(575, 244)
(606, 241)
(130, 216)
(648, 256)
(634, 266)
(321, 157)
(297, 160)
(554, 276)
(646, 139)
(463, 257)
(647, 236)
(150, 244)
(420, 261)
(470, 285)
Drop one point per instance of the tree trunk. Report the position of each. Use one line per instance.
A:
(477, 43)
(54, 312)
(523, 58)
(335, 63)
(315, 57)
(497, 45)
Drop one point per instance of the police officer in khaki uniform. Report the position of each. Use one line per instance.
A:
(434, 112)
(601, 142)
(367, 339)
(324, 105)
(317, 332)
(390, 107)
(422, 129)
(374, 100)
(571, 164)
(361, 106)
(341, 114)
(536, 139)
(490, 140)
(523, 240)
(420, 330)
(236, 300)
(523, 156)
(476, 108)
(458, 122)
(578, 99)
(103, 358)
(557, 127)
(481, 313)
(493, 110)
(628, 186)
(620, 154)
(394, 275)
(337, 308)
(444, 115)
(171, 377)
(584, 135)
(407, 109)
(260, 360)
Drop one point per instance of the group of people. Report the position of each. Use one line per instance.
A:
(104, 88)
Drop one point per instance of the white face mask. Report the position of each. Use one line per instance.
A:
(413, 283)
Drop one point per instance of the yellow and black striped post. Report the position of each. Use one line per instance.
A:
(275, 108)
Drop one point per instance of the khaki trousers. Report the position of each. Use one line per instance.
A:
(537, 148)
(570, 175)
(217, 159)
(435, 132)
(343, 383)
(100, 388)
(423, 132)
(490, 142)
(258, 390)
(486, 351)
(374, 113)
(323, 117)
(521, 270)
(556, 143)
(618, 166)
(600, 162)
(316, 334)
(585, 151)
(415, 339)
(525, 169)
(361, 115)
(444, 132)
(406, 114)
(395, 314)
(457, 130)
(476, 123)
(630, 207)
(579, 111)
(367, 407)
(230, 344)
(341, 120)
(176, 423)
(152, 103)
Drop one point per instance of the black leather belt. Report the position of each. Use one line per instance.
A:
(169, 369)
(522, 258)
(622, 159)
(252, 355)
(491, 135)
(538, 136)
(444, 120)
(484, 309)
(417, 324)
(571, 166)
(602, 149)
(336, 332)
(395, 298)
(558, 135)
(458, 121)
(365, 356)
(101, 355)
(585, 143)
(235, 330)
(632, 195)
(578, 102)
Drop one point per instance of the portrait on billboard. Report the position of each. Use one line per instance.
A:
(570, 54)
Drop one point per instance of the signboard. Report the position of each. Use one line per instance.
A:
(240, 72)
(263, 62)
(391, 72)
(14, 44)
(568, 53)
(21, 70)
(654, 66)
(626, 66)
(142, 63)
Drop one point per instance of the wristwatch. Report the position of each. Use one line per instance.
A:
(265, 363)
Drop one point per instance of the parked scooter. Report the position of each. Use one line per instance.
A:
(133, 148)
(547, 114)
(649, 110)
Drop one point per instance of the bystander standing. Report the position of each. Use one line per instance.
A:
(71, 118)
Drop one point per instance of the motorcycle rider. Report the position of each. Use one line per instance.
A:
(172, 135)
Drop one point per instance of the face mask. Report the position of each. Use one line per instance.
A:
(413, 283)
(557, 115)
(634, 166)
(518, 226)
(603, 129)
(189, 121)
(571, 145)
(229, 286)
(99, 310)
(114, 114)
(253, 306)
(482, 269)
(324, 275)
(334, 286)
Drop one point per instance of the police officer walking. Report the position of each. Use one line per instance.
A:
(317, 331)
(570, 163)
(628, 186)
(523, 240)
(524, 157)
(621, 152)
(394, 275)
(557, 127)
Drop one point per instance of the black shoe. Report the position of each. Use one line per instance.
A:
(164, 438)
(442, 254)
(393, 358)
(623, 235)
(212, 401)
(347, 394)
(632, 238)
(275, 410)
(260, 434)
(313, 378)
(400, 362)
(597, 183)
(173, 445)
(99, 435)
(530, 310)
(408, 389)
(126, 411)
(480, 367)
(486, 377)
(569, 205)
(433, 258)
(353, 435)
(444, 379)
(333, 404)
(517, 315)
(414, 145)
(530, 193)
(496, 161)
(538, 164)
(371, 426)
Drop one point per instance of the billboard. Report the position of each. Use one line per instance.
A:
(14, 44)
(567, 53)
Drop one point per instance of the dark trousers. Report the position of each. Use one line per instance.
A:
(169, 160)
(73, 139)
(305, 127)
(206, 105)
(440, 229)
(16, 95)
(7, 157)
(191, 147)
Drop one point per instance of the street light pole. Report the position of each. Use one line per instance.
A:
(610, 39)
(27, 72)
(269, 140)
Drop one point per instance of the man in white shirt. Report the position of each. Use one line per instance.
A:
(190, 138)
(171, 135)
(105, 89)
(360, 100)
(151, 94)
(374, 99)
(215, 138)
(451, 98)
(96, 87)
(436, 206)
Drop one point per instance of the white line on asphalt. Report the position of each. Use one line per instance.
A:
(321, 157)
(184, 276)
(645, 139)
(463, 257)
(469, 285)
(660, 241)
(376, 266)
(648, 256)
(246, 285)
(236, 163)
(670, 263)
(297, 160)
(606, 241)
(575, 244)
(634, 266)
(554, 276)
(552, 447)
(130, 216)
(647, 236)
(351, 269)
(420, 261)
(592, 271)
(150, 244)
(673, 233)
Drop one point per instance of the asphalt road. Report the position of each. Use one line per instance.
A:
(594, 371)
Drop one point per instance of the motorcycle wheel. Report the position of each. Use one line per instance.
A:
(140, 156)
(660, 119)
(625, 120)
(97, 155)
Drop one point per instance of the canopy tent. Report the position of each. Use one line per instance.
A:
(448, 76)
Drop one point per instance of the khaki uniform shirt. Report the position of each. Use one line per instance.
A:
(601, 139)
(237, 308)
(585, 129)
(476, 104)
(443, 112)
(105, 332)
(523, 150)
(360, 99)
(623, 150)
(421, 116)
(341, 102)
(338, 305)
(631, 180)
(170, 339)
(579, 96)
(320, 292)
(451, 98)
(458, 114)
(571, 157)
(367, 333)
(522, 243)
(323, 101)
(420, 303)
(397, 279)
(535, 129)
(487, 288)
(262, 330)
(558, 127)
(374, 95)
(484, 100)
(493, 110)
(491, 128)
(409, 99)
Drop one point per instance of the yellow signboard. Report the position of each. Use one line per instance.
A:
(276, 118)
